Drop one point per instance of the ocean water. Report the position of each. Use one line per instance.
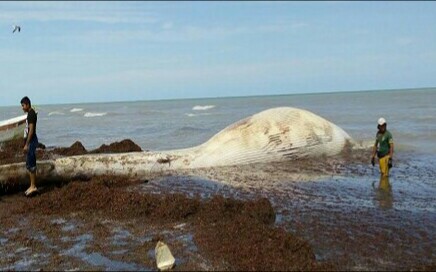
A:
(173, 124)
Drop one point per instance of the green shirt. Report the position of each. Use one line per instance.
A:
(383, 143)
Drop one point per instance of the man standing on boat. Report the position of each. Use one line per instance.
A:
(31, 143)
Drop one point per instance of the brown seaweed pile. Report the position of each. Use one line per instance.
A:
(232, 234)
(12, 151)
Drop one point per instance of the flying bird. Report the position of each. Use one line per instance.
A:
(16, 28)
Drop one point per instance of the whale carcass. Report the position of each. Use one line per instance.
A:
(272, 135)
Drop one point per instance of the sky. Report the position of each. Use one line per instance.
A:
(77, 52)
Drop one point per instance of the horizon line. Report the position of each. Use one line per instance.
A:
(225, 97)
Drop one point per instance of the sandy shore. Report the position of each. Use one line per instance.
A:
(319, 214)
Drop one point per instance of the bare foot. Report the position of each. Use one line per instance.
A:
(27, 191)
(31, 191)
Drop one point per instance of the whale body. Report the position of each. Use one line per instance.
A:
(272, 135)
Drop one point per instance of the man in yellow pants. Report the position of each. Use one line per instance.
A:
(383, 147)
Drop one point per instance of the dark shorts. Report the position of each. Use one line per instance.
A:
(31, 155)
(381, 155)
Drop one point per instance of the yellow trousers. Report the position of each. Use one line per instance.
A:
(384, 168)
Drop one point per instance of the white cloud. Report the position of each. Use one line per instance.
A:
(145, 19)
(301, 69)
(281, 27)
(298, 68)
(102, 12)
(328, 72)
(171, 33)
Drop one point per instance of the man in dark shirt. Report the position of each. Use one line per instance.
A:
(31, 143)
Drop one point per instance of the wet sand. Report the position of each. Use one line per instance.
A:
(322, 214)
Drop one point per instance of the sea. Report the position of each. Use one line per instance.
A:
(174, 124)
(405, 217)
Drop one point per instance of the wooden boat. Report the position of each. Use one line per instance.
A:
(12, 128)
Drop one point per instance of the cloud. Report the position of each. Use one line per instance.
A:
(151, 23)
(281, 27)
(103, 12)
(302, 74)
(298, 68)
(168, 32)
(294, 69)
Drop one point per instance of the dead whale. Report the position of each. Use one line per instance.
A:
(272, 135)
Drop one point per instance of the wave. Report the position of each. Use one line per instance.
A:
(426, 117)
(197, 114)
(206, 107)
(55, 113)
(185, 131)
(76, 109)
(95, 114)
(190, 129)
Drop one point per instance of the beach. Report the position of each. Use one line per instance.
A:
(326, 213)
(300, 215)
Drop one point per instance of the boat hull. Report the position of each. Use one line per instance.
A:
(12, 128)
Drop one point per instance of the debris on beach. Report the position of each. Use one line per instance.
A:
(75, 149)
(164, 259)
(126, 145)
(12, 151)
(244, 235)
(166, 160)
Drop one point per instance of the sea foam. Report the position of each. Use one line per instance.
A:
(206, 107)
(197, 114)
(95, 114)
(55, 113)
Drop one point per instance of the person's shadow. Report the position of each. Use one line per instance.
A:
(383, 194)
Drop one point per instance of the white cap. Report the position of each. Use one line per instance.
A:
(381, 121)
